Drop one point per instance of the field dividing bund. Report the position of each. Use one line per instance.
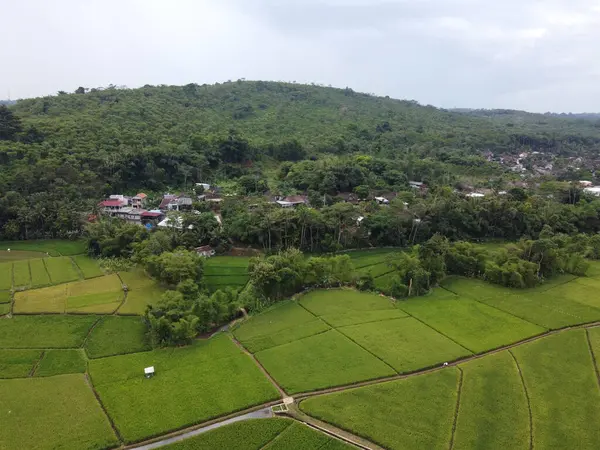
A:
(213, 378)
(60, 412)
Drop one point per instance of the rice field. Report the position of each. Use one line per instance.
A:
(59, 362)
(46, 331)
(21, 275)
(416, 412)
(251, 434)
(61, 270)
(59, 412)
(321, 361)
(100, 295)
(191, 385)
(88, 266)
(117, 335)
(141, 292)
(39, 274)
(5, 275)
(221, 272)
(18, 363)
(54, 247)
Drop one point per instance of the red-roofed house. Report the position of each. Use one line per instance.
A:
(139, 201)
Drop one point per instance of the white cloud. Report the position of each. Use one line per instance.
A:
(529, 54)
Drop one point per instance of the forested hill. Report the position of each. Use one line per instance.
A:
(263, 113)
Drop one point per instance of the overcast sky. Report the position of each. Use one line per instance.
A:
(522, 54)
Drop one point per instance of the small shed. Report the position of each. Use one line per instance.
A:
(206, 251)
(149, 372)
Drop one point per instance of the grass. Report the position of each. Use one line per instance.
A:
(59, 412)
(54, 247)
(16, 255)
(97, 295)
(88, 266)
(45, 331)
(39, 275)
(473, 325)
(142, 291)
(401, 342)
(251, 434)
(321, 361)
(17, 363)
(191, 385)
(117, 335)
(58, 362)
(5, 275)
(338, 301)
(563, 388)
(301, 437)
(274, 320)
(21, 275)
(384, 282)
(412, 413)
(493, 410)
(61, 270)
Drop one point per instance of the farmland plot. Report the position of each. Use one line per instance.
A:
(141, 292)
(39, 275)
(493, 410)
(49, 331)
(321, 361)
(60, 412)
(88, 266)
(563, 388)
(17, 363)
(54, 247)
(474, 325)
(97, 295)
(58, 362)
(115, 335)
(400, 343)
(414, 413)
(300, 437)
(213, 378)
(21, 275)
(61, 270)
(251, 434)
(5, 275)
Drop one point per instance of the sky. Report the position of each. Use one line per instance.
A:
(519, 54)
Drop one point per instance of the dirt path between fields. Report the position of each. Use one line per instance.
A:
(311, 421)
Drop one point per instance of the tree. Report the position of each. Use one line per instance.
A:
(80, 90)
(10, 125)
(172, 268)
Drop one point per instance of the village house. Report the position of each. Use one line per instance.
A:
(172, 202)
(292, 201)
(205, 251)
(139, 200)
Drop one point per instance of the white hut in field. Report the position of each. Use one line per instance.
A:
(149, 372)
